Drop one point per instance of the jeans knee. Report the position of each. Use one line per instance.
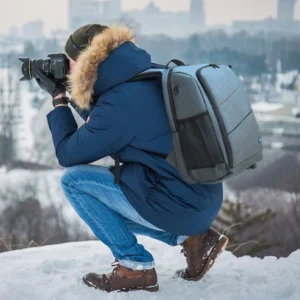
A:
(68, 175)
(72, 176)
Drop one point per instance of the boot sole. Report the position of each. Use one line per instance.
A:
(151, 289)
(214, 254)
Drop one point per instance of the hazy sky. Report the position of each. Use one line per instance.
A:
(55, 12)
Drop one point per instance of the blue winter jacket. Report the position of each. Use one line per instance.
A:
(130, 117)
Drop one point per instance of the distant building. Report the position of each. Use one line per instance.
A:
(60, 35)
(33, 30)
(83, 12)
(154, 21)
(286, 10)
(111, 9)
(267, 26)
(198, 16)
(150, 21)
(14, 32)
(284, 24)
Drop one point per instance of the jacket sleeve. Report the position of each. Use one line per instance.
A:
(107, 132)
(82, 113)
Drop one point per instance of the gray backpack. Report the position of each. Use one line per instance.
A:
(215, 133)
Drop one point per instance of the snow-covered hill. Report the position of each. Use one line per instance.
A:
(54, 273)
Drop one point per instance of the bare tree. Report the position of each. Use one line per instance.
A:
(244, 224)
(10, 116)
(32, 215)
(293, 222)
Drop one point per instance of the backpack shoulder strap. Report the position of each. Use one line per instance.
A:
(149, 74)
(156, 71)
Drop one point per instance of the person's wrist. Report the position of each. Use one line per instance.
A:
(61, 95)
(62, 101)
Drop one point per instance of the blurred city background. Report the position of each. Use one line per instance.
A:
(260, 39)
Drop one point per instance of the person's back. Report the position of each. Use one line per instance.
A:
(151, 198)
(187, 205)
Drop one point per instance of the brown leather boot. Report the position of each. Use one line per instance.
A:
(201, 252)
(123, 279)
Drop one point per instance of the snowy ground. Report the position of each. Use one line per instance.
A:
(54, 273)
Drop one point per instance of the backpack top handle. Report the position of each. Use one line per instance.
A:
(177, 62)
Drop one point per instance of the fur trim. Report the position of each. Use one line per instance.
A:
(83, 78)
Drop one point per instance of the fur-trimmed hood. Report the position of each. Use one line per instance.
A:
(105, 64)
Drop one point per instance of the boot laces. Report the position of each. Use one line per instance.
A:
(183, 251)
(115, 263)
(117, 266)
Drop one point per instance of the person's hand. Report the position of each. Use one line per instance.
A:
(49, 85)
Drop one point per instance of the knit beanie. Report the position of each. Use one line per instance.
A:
(81, 38)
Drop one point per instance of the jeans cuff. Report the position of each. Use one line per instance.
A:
(136, 265)
(181, 239)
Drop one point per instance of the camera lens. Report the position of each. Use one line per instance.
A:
(26, 69)
(57, 67)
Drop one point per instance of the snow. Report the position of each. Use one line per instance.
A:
(277, 145)
(285, 78)
(55, 272)
(278, 131)
(295, 111)
(263, 107)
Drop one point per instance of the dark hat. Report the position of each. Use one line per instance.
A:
(81, 38)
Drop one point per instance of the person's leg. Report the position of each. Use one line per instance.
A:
(86, 187)
(135, 223)
(165, 237)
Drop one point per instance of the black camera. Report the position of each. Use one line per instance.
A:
(56, 67)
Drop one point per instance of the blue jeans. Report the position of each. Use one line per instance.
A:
(104, 208)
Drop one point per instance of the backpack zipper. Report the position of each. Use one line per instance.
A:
(173, 109)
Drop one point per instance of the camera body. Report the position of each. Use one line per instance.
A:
(56, 67)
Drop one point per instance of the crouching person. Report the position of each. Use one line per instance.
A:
(128, 121)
